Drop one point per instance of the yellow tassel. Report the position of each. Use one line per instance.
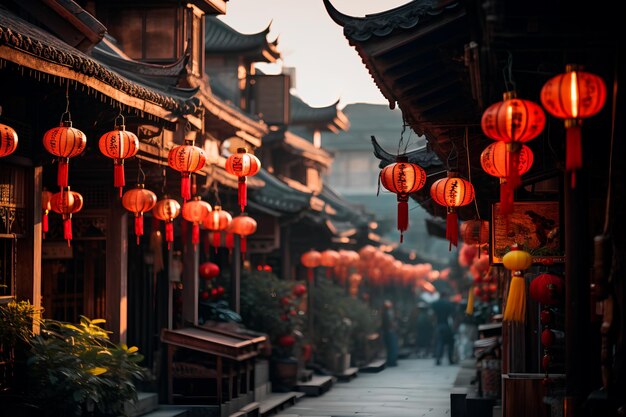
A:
(516, 300)
(469, 310)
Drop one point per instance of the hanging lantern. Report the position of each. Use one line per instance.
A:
(475, 232)
(243, 165)
(495, 160)
(65, 142)
(217, 221)
(516, 261)
(547, 289)
(119, 144)
(139, 200)
(208, 270)
(195, 211)
(298, 290)
(243, 226)
(452, 192)
(229, 241)
(403, 178)
(166, 210)
(573, 96)
(66, 203)
(310, 260)
(8, 140)
(46, 206)
(329, 259)
(187, 159)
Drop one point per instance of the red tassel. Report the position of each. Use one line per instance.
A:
(63, 172)
(243, 193)
(169, 234)
(119, 180)
(185, 187)
(243, 245)
(328, 272)
(67, 230)
(403, 215)
(513, 179)
(574, 153)
(217, 239)
(44, 224)
(506, 198)
(138, 226)
(452, 228)
(309, 274)
(195, 234)
(230, 241)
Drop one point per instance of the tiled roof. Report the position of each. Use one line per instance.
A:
(326, 118)
(223, 39)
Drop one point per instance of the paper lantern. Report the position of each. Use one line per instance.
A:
(217, 221)
(243, 226)
(64, 142)
(187, 159)
(66, 203)
(516, 261)
(139, 201)
(208, 270)
(310, 260)
(166, 210)
(573, 96)
(495, 160)
(547, 289)
(195, 211)
(403, 178)
(298, 290)
(329, 259)
(8, 140)
(46, 206)
(452, 192)
(475, 232)
(119, 144)
(243, 165)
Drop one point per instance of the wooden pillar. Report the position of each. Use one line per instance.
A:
(235, 276)
(36, 237)
(285, 252)
(116, 273)
(191, 261)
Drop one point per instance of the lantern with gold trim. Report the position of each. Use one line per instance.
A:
(403, 178)
(573, 96)
(8, 139)
(217, 221)
(65, 142)
(195, 211)
(139, 200)
(452, 192)
(166, 210)
(187, 159)
(242, 225)
(243, 165)
(66, 203)
(516, 261)
(119, 144)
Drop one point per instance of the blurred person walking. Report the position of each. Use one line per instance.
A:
(443, 311)
(390, 333)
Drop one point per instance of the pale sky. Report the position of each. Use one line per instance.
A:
(327, 67)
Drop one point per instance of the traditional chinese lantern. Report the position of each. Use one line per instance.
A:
(328, 260)
(65, 142)
(495, 160)
(8, 140)
(516, 261)
(229, 241)
(573, 96)
(166, 210)
(217, 221)
(187, 159)
(119, 144)
(208, 270)
(139, 200)
(195, 211)
(475, 232)
(243, 226)
(452, 192)
(298, 290)
(310, 260)
(66, 203)
(547, 289)
(403, 178)
(243, 165)
(46, 206)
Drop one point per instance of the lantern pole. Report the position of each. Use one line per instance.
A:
(235, 276)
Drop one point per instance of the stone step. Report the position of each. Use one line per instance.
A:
(374, 366)
(168, 412)
(146, 402)
(318, 385)
(347, 375)
(277, 401)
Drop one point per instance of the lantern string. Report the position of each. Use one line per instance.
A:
(401, 141)
(119, 116)
(216, 194)
(610, 173)
(507, 73)
(67, 103)
(469, 169)
(140, 174)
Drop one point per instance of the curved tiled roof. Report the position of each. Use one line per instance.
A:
(220, 38)
(329, 117)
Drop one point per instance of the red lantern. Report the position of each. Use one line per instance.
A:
(139, 200)
(65, 142)
(217, 221)
(547, 289)
(286, 340)
(167, 210)
(66, 203)
(452, 192)
(475, 232)
(187, 159)
(403, 178)
(298, 290)
(573, 96)
(8, 140)
(310, 260)
(119, 144)
(208, 270)
(495, 160)
(329, 258)
(229, 241)
(243, 226)
(243, 165)
(46, 206)
(195, 211)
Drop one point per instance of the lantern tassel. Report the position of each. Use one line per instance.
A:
(230, 241)
(63, 172)
(169, 234)
(138, 226)
(217, 239)
(309, 274)
(119, 181)
(195, 234)
(574, 154)
(513, 177)
(185, 187)
(67, 230)
(515, 309)
(243, 193)
(469, 310)
(452, 228)
(44, 223)
(403, 216)
(506, 198)
(243, 245)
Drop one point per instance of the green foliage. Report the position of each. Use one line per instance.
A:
(16, 322)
